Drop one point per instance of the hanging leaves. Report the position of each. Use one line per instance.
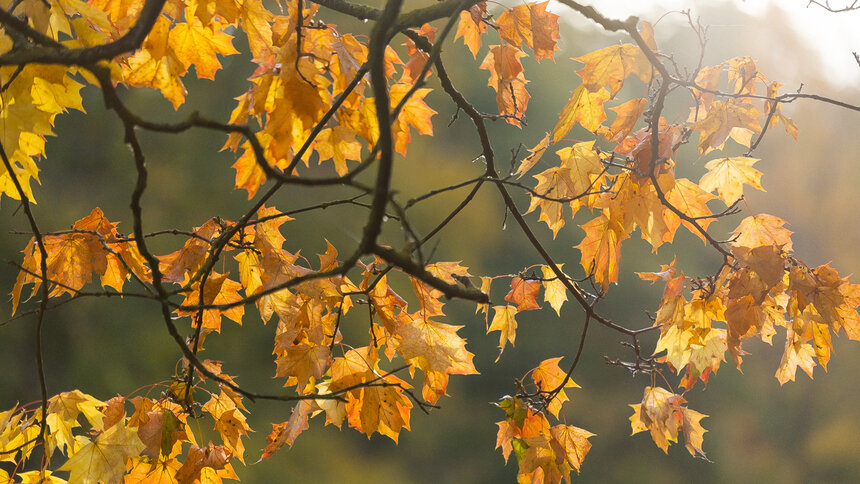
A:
(308, 118)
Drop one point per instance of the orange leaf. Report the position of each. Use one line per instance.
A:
(74, 257)
(472, 27)
(303, 361)
(506, 77)
(523, 293)
(415, 113)
(187, 260)
(530, 24)
(286, 432)
(601, 248)
(548, 376)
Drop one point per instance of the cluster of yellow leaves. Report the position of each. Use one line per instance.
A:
(527, 25)
(308, 316)
(738, 117)
(544, 453)
(291, 91)
(185, 34)
(153, 444)
(643, 193)
(762, 289)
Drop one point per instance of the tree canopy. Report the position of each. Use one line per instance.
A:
(362, 332)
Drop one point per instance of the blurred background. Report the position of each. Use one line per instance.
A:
(806, 431)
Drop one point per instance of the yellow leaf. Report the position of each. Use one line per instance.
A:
(610, 66)
(437, 350)
(721, 119)
(762, 229)
(198, 45)
(555, 292)
(797, 353)
(573, 444)
(584, 107)
(504, 321)
(727, 175)
(339, 144)
(535, 156)
(104, 458)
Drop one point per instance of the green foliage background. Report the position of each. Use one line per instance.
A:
(806, 431)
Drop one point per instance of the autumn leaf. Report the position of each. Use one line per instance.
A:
(548, 377)
(610, 66)
(524, 293)
(199, 45)
(763, 229)
(384, 409)
(287, 432)
(584, 107)
(160, 430)
(570, 443)
(504, 321)
(575, 179)
(554, 290)
(199, 459)
(156, 65)
(219, 289)
(93, 246)
(664, 414)
(627, 114)
(104, 458)
(532, 25)
(535, 156)
(417, 57)
(303, 361)
(256, 22)
(727, 175)
(721, 118)
(176, 266)
(339, 145)
(689, 198)
(601, 248)
(472, 27)
(506, 77)
(437, 350)
(797, 354)
(415, 113)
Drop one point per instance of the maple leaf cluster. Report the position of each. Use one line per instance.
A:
(319, 95)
